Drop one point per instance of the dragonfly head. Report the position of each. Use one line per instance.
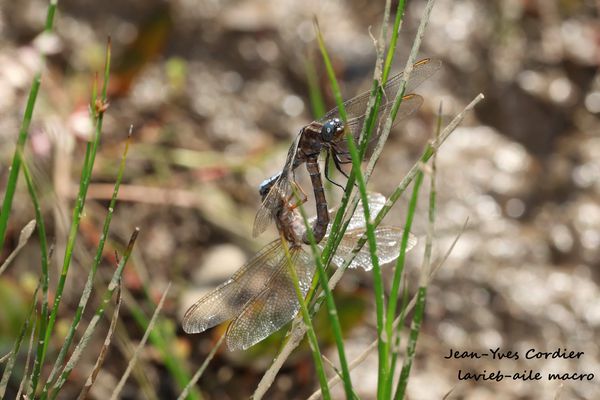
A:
(267, 184)
(331, 128)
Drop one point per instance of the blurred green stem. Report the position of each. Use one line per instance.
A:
(383, 366)
(312, 337)
(90, 279)
(398, 272)
(23, 132)
(424, 278)
(331, 307)
(98, 106)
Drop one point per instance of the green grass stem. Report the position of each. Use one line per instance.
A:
(315, 95)
(383, 366)
(98, 108)
(331, 307)
(87, 290)
(25, 380)
(45, 279)
(10, 363)
(114, 284)
(105, 347)
(368, 126)
(398, 325)
(140, 346)
(13, 176)
(398, 274)
(337, 93)
(162, 340)
(184, 393)
(312, 337)
(424, 277)
(393, 40)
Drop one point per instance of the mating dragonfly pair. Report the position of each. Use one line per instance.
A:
(260, 297)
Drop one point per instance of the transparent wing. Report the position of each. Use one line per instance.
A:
(280, 190)
(356, 106)
(376, 202)
(225, 302)
(270, 205)
(388, 240)
(410, 104)
(275, 306)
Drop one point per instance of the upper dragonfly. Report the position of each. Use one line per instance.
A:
(260, 297)
(329, 133)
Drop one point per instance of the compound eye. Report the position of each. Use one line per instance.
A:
(263, 190)
(267, 184)
(328, 130)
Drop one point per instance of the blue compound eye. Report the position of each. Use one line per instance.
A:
(330, 128)
(267, 184)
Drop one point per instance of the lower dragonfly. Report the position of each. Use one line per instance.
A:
(260, 297)
(329, 134)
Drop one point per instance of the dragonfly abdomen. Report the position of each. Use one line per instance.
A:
(320, 225)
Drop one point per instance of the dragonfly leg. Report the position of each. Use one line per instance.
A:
(299, 201)
(327, 170)
(337, 161)
(348, 160)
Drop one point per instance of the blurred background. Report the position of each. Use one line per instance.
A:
(216, 90)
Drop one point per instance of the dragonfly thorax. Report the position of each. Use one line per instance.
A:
(331, 128)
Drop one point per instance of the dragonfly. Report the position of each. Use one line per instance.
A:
(328, 133)
(260, 297)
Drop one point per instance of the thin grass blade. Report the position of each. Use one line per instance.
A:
(312, 337)
(423, 281)
(337, 93)
(315, 96)
(45, 255)
(23, 238)
(23, 133)
(379, 75)
(105, 346)
(113, 285)
(331, 307)
(141, 345)
(198, 374)
(398, 273)
(12, 356)
(408, 308)
(383, 365)
(87, 290)
(25, 380)
(98, 107)
(161, 339)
